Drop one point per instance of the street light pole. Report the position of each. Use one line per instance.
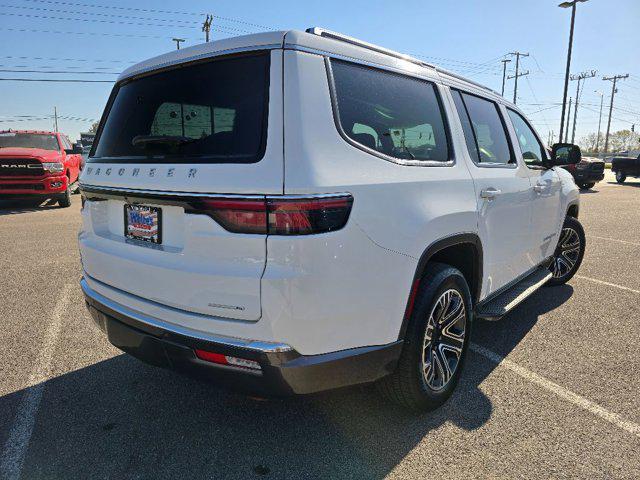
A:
(504, 73)
(571, 4)
(599, 119)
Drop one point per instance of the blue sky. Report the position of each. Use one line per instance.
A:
(467, 36)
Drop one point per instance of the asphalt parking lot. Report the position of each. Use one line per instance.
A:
(552, 391)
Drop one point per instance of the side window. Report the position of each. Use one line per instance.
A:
(469, 136)
(392, 114)
(533, 151)
(489, 130)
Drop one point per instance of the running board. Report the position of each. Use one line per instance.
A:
(498, 307)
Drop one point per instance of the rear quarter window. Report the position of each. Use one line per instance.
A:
(209, 112)
(389, 114)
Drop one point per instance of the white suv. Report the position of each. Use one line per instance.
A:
(291, 212)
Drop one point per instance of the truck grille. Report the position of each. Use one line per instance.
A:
(597, 167)
(21, 186)
(20, 167)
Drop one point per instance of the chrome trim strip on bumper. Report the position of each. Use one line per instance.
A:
(134, 191)
(258, 345)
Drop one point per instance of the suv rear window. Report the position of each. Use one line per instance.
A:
(391, 114)
(206, 112)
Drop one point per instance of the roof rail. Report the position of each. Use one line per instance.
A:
(370, 46)
(322, 32)
(465, 79)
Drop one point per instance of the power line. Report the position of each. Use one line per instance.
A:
(173, 21)
(119, 22)
(517, 74)
(58, 72)
(614, 79)
(97, 60)
(68, 80)
(148, 10)
(579, 78)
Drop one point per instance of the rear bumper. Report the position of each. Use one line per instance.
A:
(283, 370)
(46, 186)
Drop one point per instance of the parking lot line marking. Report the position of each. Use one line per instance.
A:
(558, 390)
(609, 284)
(626, 242)
(17, 443)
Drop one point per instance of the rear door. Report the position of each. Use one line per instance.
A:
(171, 143)
(503, 191)
(546, 187)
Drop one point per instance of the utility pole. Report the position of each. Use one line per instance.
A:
(178, 41)
(615, 78)
(599, 119)
(515, 87)
(206, 26)
(567, 4)
(55, 118)
(579, 77)
(568, 117)
(504, 73)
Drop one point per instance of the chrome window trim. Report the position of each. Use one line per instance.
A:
(258, 345)
(535, 134)
(399, 161)
(346, 58)
(514, 164)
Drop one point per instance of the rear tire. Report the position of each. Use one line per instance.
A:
(435, 344)
(620, 177)
(586, 186)
(569, 252)
(64, 200)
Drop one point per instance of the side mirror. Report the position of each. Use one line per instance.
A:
(564, 154)
(77, 149)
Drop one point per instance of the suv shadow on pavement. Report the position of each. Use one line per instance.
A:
(13, 207)
(120, 418)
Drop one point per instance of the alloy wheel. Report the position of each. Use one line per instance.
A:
(444, 340)
(567, 253)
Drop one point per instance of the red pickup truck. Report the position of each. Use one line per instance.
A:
(38, 164)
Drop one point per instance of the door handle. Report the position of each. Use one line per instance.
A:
(490, 193)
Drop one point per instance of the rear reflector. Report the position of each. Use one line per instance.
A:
(221, 359)
(278, 215)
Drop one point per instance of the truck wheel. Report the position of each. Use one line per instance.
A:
(620, 177)
(64, 200)
(435, 344)
(586, 186)
(569, 252)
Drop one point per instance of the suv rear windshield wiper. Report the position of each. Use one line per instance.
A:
(170, 140)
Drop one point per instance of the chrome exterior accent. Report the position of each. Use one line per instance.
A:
(134, 191)
(323, 32)
(444, 340)
(258, 345)
(567, 253)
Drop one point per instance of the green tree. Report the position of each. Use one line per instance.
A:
(94, 127)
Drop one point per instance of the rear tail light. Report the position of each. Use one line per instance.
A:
(278, 215)
(221, 359)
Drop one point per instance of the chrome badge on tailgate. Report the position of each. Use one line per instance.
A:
(144, 223)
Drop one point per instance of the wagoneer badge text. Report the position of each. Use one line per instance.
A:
(137, 172)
